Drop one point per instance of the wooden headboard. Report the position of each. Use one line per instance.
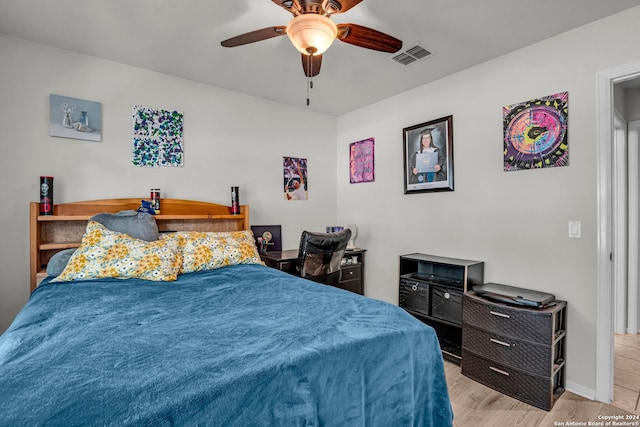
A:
(64, 229)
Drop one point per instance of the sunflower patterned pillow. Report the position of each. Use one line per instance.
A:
(210, 250)
(105, 253)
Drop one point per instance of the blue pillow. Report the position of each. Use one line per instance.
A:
(59, 261)
(139, 225)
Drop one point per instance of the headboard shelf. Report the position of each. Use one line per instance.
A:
(168, 207)
(58, 245)
(158, 217)
(65, 228)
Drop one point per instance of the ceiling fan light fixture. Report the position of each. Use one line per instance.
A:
(311, 33)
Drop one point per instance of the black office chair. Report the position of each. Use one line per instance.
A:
(320, 255)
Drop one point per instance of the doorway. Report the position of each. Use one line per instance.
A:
(632, 133)
(607, 225)
(626, 352)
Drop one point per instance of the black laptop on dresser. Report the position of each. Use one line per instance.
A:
(515, 296)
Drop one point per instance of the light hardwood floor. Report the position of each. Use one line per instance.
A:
(626, 372)
(479, 406)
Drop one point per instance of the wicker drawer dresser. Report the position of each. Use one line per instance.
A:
(515, 350)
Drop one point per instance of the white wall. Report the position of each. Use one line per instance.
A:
(632, 104)
(516, 222)
(229, 139)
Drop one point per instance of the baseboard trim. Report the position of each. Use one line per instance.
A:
(580, 390)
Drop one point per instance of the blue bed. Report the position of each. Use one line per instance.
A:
(243, 345)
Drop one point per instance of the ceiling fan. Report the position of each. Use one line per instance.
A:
(312, 31)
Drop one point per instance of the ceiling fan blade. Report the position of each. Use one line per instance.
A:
(292, 6)
(255, 36)
(311, 64)
(339, 6)
(368, 38)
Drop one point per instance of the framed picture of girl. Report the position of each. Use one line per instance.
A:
(428, 156)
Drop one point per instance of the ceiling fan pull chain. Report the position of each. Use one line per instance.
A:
(309, 79)
(309, 86)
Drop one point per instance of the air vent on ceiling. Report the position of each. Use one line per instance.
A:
(411, 55)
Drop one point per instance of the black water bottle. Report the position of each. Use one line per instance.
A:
(46, 195)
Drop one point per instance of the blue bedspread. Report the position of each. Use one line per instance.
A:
(240, 346)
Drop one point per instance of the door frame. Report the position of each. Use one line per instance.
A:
(604, 238)
(620, 232)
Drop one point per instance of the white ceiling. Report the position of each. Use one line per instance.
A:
(182, 38)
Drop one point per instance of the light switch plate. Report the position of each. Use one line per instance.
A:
(575, 229)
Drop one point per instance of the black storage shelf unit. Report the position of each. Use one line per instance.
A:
(431, 289)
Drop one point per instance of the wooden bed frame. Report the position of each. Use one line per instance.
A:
(64, 229)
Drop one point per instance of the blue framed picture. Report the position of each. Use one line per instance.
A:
(75, 118)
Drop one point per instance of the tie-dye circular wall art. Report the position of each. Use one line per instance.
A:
(535, 133)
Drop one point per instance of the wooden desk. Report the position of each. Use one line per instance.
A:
(351, 273)
(282, 260)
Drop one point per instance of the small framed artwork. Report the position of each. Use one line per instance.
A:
(75, 118)
(158, 137)
(271, 235)
(535, 133)
(428, 156)
(294, 171)
(361, 161)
